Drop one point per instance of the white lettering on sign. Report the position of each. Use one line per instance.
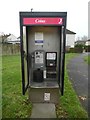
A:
(60, 21)
(39, 21)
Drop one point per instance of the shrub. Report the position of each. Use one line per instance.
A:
(87, 48)
(79, 48)
(71, 50)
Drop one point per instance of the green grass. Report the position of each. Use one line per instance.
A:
(87, 59)
(15, 105)
(70, 107)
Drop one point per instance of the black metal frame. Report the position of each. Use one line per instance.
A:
(42, 14)
(62, 59)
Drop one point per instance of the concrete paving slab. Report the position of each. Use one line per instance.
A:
(43, 110)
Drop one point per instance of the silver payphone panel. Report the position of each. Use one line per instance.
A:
(39, 57)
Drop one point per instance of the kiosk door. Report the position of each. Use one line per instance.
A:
(24, 60)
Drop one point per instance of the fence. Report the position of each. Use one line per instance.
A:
(10, 49)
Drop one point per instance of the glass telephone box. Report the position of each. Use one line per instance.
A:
(42, 49)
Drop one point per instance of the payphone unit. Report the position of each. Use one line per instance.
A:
(43, 65)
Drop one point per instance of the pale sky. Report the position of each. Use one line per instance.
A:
(77, 13)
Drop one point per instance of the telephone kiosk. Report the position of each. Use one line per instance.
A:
(43, 39)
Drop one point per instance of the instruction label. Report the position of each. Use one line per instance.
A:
(47, 96)
(38, 57)
(38, 38)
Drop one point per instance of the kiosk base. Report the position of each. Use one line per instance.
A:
(44, 95)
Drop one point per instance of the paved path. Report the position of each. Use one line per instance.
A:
(43, 110)
(78, 74)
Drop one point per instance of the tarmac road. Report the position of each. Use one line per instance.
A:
(78, 74)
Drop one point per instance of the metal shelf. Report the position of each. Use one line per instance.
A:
(45, 84)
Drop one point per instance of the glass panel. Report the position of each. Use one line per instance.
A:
(25, 56)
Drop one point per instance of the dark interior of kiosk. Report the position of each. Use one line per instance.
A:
(43, 55)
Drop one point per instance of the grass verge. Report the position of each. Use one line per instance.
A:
(87, 59)
(14, 105)
(70, 106)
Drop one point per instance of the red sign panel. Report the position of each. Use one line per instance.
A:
(43, 21)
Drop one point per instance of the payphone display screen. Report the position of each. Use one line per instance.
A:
(51, 56)
(51, 59)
